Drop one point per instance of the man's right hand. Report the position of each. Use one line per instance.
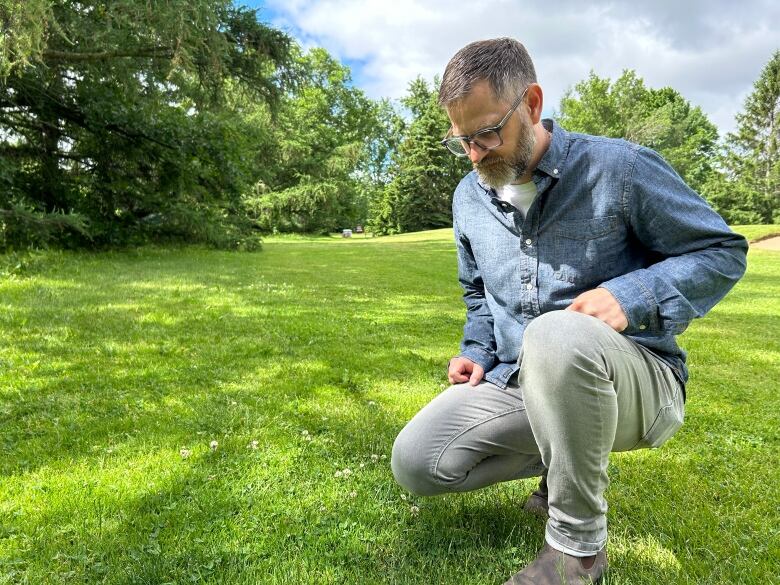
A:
(464, 370)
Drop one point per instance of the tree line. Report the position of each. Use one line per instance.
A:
(130, 121)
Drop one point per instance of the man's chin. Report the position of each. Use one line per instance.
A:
(495, 181)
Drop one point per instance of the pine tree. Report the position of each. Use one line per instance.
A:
(753, 161)
(425, 174)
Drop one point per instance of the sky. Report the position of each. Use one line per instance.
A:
(711, 51)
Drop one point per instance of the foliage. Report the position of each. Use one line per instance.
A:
(424, 173)
(748, 189)
(116, 112)
(331, 143)
(660, 119)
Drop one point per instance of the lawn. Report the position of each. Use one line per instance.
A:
(195, 416)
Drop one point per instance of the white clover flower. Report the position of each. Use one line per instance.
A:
(252, 445)
(305, 433)
(371, 403)
(347, 472)
(213, 445)
(184, 453)
(403, 497)
(362, 465)
(352, 494)
(374, 457)
(338, 473)
(414, 510)
(308, 437)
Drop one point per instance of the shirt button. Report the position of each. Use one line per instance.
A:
(528, 242)
(529, 286)
(555, 171)
(643, 327)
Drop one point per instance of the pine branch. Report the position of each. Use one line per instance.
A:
(153, 52)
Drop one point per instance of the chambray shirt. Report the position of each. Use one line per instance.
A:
(609, 214)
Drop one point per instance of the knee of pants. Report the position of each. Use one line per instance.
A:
(412, 470)
(560, 337)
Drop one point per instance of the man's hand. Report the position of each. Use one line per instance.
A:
(463, 369)
(600, 303)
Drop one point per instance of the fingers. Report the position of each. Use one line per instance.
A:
(476, 375)
(601, 304)
(464, 370)
(457, 372)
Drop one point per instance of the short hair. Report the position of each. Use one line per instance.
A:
(504, 63)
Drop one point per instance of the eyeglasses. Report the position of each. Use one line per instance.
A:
(486, 138)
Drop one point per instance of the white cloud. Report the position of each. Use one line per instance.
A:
(710, 51)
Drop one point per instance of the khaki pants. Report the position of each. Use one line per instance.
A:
(583, 390)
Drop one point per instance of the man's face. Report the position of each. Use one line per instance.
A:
(480, 109)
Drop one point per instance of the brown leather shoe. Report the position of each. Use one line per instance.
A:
(537, 503)
(552, 567)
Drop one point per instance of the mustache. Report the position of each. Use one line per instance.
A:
(490, 162)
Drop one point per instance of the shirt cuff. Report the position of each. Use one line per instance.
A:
(479, 356)
(637, 302)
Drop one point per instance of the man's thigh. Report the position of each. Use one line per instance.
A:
(576, 369)
(465, 438)
(649, 396)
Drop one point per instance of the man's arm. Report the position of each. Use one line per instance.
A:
(478, 344)
(700, 258)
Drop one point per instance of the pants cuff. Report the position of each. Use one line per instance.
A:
(570, 546)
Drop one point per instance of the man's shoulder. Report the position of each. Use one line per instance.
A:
(615, 156)
(468, 187)
(584, 140)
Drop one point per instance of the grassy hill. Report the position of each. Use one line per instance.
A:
(189, 416)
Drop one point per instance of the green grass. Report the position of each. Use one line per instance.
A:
(757, 232)
(111, 364)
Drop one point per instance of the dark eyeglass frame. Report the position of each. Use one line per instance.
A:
(474, 138)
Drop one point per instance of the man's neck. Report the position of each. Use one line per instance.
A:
(543, 139)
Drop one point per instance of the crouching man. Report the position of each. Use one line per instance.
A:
(581, 259)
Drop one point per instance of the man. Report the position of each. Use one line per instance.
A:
(581, 258)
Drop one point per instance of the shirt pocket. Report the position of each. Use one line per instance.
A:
(586, 250)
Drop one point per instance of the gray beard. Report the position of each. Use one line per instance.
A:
(496, 171)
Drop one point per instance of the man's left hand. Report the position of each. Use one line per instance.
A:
(600, 303)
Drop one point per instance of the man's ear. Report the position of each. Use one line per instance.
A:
(535, 100)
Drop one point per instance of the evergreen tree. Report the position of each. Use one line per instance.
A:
(115, 121)
(425, 173)
(749, 190)
(330, 144)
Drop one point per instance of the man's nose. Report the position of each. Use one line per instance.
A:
(476, 153)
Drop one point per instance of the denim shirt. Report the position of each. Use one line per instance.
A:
(608, 214)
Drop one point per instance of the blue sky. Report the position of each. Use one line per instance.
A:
(710, 51)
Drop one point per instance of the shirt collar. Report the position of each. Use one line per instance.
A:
(552, 162)
(554, 159)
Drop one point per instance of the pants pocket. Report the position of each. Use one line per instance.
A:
(668, 420)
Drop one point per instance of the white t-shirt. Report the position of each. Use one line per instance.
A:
(519, 196)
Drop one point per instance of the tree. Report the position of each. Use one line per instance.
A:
(330, 144)
(660, 119)
(748, 191)
(117, 116)
(424, 173)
